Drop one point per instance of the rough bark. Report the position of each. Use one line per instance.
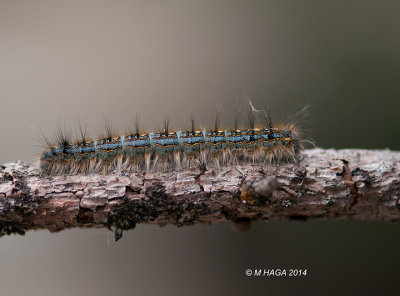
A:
(330, 184)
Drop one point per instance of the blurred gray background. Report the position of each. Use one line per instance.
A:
(70, 61)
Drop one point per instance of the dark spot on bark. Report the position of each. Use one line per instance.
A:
(11, 227)
(20, 186)
(69, 185)
(179, 211)
(355, 172)
(301, 175)
(330, 202)
(85, 216)
(341, 174)
(6, 178)
(156, 191)
(367, 179)
(6, 208)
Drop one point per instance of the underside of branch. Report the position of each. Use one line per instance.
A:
(329, 184)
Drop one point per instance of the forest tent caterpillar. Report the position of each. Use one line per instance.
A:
(182, 149)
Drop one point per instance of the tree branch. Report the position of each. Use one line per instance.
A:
(331, 184)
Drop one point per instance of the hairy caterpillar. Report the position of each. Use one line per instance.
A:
(182, 149)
